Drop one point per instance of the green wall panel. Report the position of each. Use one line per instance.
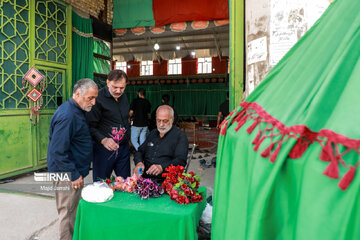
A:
(44, 136)
(16, 142)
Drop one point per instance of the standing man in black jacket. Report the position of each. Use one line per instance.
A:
(110, 112)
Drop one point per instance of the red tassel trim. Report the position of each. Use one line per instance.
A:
(224, 128)
(347, 178)
(299, 148)
(239, 116)
(257, 145)
(275, 153)
(240, 123)
(277, 131)
(332, 170)
(256, 140)
(267, 151)
(326, 152)
(253, 126)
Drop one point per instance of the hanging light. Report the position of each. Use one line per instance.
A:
(192, 53)
(178, 47)
(156, 46)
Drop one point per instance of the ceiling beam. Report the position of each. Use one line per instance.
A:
(217, 46)
(143, 42)
(160, 51)
(206, 34)
(151, 45)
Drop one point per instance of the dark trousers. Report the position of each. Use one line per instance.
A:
(106, 161)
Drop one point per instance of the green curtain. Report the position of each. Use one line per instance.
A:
(101, 48)
(82, 48)
(315, 85)
(101, 65)
(188, 100)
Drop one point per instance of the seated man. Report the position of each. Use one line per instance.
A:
(164, 146)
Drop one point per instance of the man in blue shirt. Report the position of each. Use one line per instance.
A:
(70, 150)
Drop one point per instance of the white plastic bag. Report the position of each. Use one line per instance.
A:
(206, 216)
(97, 192)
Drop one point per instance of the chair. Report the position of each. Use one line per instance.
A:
(190, 157)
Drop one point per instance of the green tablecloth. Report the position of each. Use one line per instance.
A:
(126, 216)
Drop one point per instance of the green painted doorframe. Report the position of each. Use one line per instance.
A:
(237, 45)
(24, 146)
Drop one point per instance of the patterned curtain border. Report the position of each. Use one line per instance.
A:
(87, 35)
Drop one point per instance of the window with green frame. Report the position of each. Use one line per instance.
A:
(102, 61)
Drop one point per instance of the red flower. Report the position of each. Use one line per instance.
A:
(168, 187)
(173, 191)
(108, 181)
(184, 185)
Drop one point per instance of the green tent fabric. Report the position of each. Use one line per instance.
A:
(133, 13)
(82, 48)
(288, 155)
(188, 100)
(147, 13)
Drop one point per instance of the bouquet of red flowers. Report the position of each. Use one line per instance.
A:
(182, 187)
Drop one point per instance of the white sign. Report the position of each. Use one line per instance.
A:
(281, 40)
(257, 50)
(251, 79)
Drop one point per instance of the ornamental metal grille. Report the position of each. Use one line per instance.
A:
(50, 30)
(14, 52)
(54, 92)
(16, 33)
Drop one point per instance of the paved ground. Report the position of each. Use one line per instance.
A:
(27, 213)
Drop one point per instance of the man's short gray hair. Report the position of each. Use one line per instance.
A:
(166, 107)
(83, 85)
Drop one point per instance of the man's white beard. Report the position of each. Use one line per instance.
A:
(164, 131)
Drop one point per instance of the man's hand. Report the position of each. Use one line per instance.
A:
(136, 169)
(78, 183)
(109, 144)
(155, 169)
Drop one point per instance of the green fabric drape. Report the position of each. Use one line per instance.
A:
(101, 48)
(101, 65)
(317, 85)
(82, 48)
(188, 100)
(133, 13)
(127, 216)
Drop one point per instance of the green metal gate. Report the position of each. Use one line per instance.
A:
(32, 33)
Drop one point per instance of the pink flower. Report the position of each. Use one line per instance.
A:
(116, 138)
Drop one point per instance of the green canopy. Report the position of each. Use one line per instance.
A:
(288, 155)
